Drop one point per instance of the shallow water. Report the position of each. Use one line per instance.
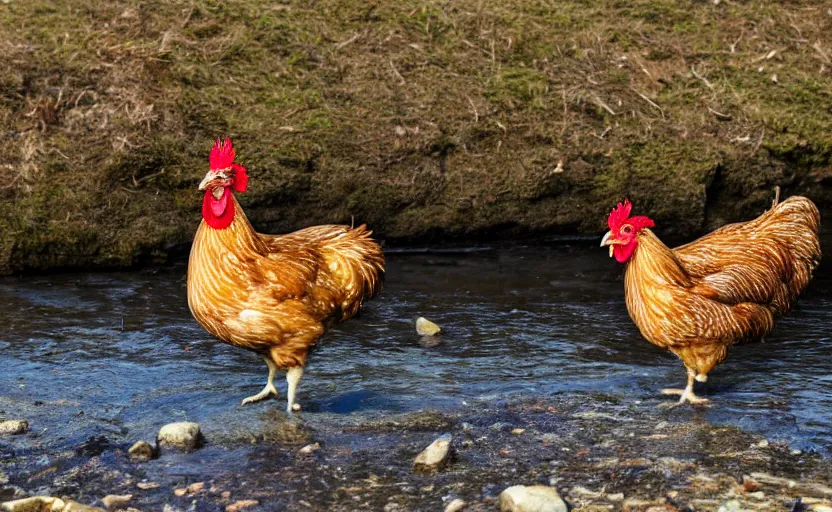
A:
(122, 350)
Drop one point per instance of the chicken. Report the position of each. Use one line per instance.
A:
(722, 289)
(273, 294)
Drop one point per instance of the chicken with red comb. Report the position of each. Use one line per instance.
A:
(722, 289)
(273, 294)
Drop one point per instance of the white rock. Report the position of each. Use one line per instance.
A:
(616, 497)
(731, 506)
(435, 455)
(532, 498)
(13, 427)
(455, 506)
(425, 327)
(184, 434)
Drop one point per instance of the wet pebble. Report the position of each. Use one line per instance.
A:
(425, 327)
(195, 488)
(141, 451)
(115, 501)
(532, 498)
(183, 434)
(455, 506)
(435, 455)
(241, 505)
(309, 448)
(46, 503)
(13, 427)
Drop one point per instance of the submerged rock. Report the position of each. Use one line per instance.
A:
(532, 498)
(13, 427)
(141, 451)
(435, 455)
(183, 434)
(241, 505)
(425, 327)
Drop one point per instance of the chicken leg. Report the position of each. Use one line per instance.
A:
(293, 376)
(687, 394)
(269, 389)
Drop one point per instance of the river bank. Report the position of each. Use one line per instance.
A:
(599, 452)
(429, 121)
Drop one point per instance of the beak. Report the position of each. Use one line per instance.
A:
(211, 176)
(607, 240)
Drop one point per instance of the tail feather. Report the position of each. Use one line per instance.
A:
(354, 263)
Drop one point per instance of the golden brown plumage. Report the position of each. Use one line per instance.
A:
(275, 294)
(724, 288)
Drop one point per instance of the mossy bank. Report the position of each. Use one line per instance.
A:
(425, 120)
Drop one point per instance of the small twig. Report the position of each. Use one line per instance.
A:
(474, 108)
(776, 196)
(603, 134)
(704, 80)
(349, 41)
(719, 114)
(648, 100)
(604, 105)
(396, 72)
(822, 53)
(733, 47)
(188, 16)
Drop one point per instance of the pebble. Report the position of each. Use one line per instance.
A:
(115, 501)
(13, 427)
(425, 327)
(455, 506)
(309, 448)
(191, 489)
(240, 505)
(518, 431)
(435, 455)
(141, 451)
(731, 506)
(146, 486)
(46, 503)
(183, 434)
(616, 497)
(533, 498)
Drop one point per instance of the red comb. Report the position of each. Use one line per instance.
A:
(619, 214)
(222, 155)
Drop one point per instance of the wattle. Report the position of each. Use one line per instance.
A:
(218, 213)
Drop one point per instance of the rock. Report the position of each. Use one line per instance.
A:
(4, 478)
(309, 448)
(731, 506)
(194, 488)
(425, 327)
(46, 504)
(435, 455)
(518, 431)
(455, 506)
(820, 507)
(146, 486)
(141, 451)
(549, 438)
(184, 434)
(532, 498)
(240, 505)
(115, 501)
(616, 497)
(13, 427)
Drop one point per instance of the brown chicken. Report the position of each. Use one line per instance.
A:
(722, 289)
(273, 294)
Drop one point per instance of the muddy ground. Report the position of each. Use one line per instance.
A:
(428, 120)
(600, 452)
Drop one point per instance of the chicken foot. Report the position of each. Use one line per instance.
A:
(687, 394)
(269, 389)
(293, 376)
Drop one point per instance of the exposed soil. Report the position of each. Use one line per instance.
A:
(427, 120)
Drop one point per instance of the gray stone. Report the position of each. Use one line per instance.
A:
(184, 434)
(532, 498)
(13, 427)
(435, 455)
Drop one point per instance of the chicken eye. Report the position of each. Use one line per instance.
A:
(627, 229)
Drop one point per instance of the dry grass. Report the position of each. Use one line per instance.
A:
(421, 118)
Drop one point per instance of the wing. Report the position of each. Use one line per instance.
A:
(766, 261)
